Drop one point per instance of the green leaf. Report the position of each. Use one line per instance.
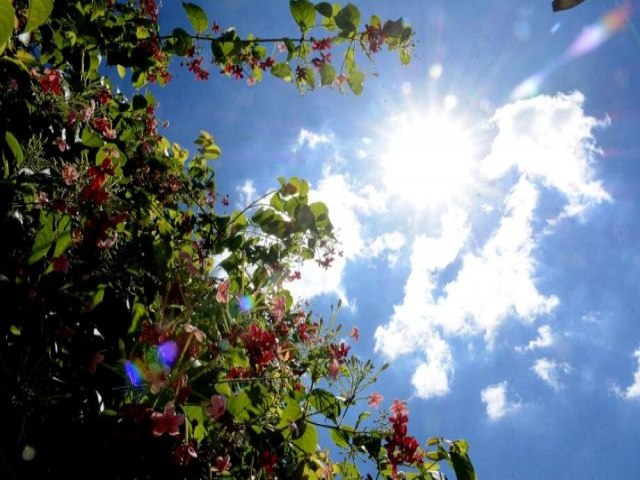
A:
(356, 81)
(122, 71)
(181, 42)
(325, 403)
(325, 9)
(39, 11)
(308, 441)
(349, 471)
(282, 70)
(461, 464)
(90, 139)
(348, 19)
(304, 13)
(200, 433)
(238, 407)
(7, 16)
(327, 74)
(44, 238)
(197, 17)
(339, 438)
(15, 147)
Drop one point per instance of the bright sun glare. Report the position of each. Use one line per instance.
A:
(429, 160)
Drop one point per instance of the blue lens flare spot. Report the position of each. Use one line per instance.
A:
(134, 375)
(245, 303)
(168, 353)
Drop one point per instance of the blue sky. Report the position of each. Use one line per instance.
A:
(487, 201)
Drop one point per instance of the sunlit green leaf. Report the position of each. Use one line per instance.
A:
(308, 441)
(356, 81)
(197, 16)
(348, 19)
(339, 438)
(15, 147)
(7, 16)
(39, 11)
(325, 9)
(327, 74)
(304, 13)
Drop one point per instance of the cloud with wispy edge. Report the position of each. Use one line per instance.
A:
(496, 402)
(545, 339)
(310, 139)
(632, 392)
(548, 142)
(550, 371)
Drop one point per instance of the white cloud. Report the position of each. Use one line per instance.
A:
(545, 339)
(498, 282)
(549, 139)
(548, 143)
(247, 192)
(390, 243)
(633, 390)
(550, 371)
(431, 378)
(311, 139)
(496, 402)
(412, 326)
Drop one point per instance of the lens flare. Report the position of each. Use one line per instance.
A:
(134, 375)
(168, 353)
(591, 37)
(245, 303)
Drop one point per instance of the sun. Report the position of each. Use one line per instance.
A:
(428, 160)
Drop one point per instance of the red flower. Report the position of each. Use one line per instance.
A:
(375, 399)
(61, 264)
(217, 407)
(355, 333)
(323, 44)
(278, 307)
(49, 81)
(223, 464)
(260, 343)
(103, 96)
(334, 368)
(69, 174)
(268, 461)
(222, 295)
(194, 66)
(183, 454)
(168, 422)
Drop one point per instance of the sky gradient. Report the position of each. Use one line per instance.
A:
(486, 197)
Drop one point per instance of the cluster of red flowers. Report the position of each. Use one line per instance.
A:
(103, 126)
(401, 448)
(98, 176)
(195, 67)
(376, 38)
(268, 461)
(49, 80)
(323, 44)
(150, 9)
(337, 355)
(261, 345)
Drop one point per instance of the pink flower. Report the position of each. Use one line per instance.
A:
(375, 399)
(355, 333)
(183, 454)
(167, 422)
(69, 174)
(222, 295)
(282, 48)
(251, 81)
(223, 464)
(278, 307)
(334, 368)
(217, 408)
(399, 409)
(61, 142)
(87, 112)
